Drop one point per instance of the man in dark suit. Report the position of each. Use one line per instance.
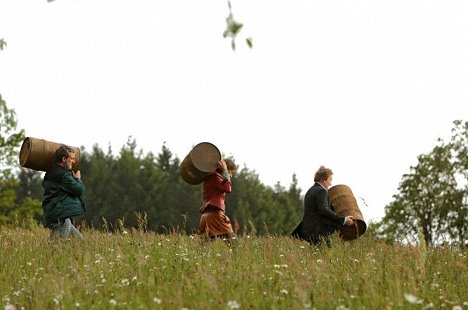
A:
(319, 220)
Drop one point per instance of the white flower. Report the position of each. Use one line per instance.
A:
(156, 300)
(284, 291)
(9, 307)
(412, 299)
(232, 304)
(125, 282)
(113, 302)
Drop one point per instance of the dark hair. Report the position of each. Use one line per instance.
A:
(322, 174)
(63, 150)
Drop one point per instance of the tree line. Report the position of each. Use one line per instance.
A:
(145, 191)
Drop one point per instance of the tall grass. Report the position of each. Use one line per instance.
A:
(136, 270)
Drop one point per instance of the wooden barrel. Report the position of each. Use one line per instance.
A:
(199, 163)
(39, 154)
(343, 202)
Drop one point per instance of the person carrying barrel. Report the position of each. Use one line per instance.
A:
(319, 220)
(62, 195)
(214, 223)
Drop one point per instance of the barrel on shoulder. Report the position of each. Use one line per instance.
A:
(343, 202)
(199, 163)
(39, 154)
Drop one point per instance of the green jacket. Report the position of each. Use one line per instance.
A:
(62, 195)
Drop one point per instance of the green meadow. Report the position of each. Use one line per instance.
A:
(133, 269)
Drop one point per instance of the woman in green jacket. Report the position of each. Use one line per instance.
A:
(62, 194)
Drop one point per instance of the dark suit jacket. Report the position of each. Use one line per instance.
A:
(319, 219)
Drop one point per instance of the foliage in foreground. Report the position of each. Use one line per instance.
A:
(133, 269)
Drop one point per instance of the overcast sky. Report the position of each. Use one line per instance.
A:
(362, 87)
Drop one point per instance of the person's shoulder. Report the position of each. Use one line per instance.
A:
(318, 189)
(316, 186)
(55, 173)
(213, 176)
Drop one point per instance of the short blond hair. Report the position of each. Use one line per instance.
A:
(322, 174)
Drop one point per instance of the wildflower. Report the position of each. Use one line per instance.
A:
(156, 300)
(9, 307)
(113, 302)
(284, 291)
(232, 304)
(77, 304)
(125, 282)
(319, 261)
(412, 299)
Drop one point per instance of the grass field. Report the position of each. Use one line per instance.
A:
(136, 270)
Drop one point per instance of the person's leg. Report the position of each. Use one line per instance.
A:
(69, 230)
(55, 230)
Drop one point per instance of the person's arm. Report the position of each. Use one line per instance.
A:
(72, 185)
(224, 183)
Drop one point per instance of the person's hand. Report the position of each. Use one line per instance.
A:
(222, 165)
(76, 174)
(349, 220)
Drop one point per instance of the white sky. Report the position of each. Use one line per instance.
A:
(362, 87)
